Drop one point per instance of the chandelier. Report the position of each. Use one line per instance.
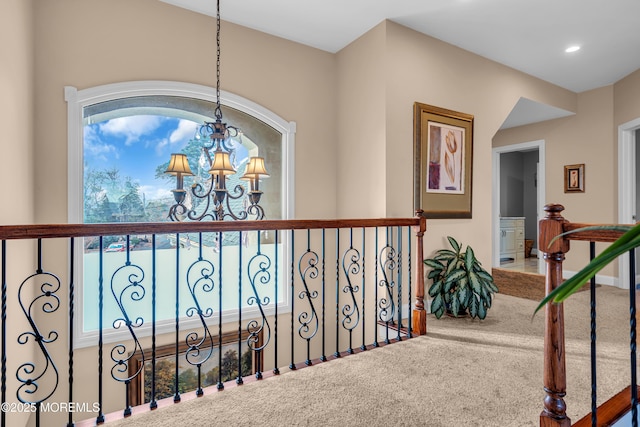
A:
(213, 192)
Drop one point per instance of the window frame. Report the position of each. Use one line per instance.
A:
(77, 100)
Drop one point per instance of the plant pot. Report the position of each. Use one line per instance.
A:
(462, 312)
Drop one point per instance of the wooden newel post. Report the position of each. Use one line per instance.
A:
(555, 375)
(419, 320)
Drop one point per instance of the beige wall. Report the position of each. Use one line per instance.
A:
(587, 137)
(94, 42)
(16, 120)
(627, 99)
(361, 130)
(421, 68)
(16, 106)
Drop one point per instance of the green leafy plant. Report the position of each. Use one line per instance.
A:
(629, 240)
(459, 282)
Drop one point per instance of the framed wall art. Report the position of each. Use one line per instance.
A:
(443, 159)
(574, 178)
(140, 386)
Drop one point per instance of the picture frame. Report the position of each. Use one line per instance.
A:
(574, 178)
(443, 160)
(140, 389)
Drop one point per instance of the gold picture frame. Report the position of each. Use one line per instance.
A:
(574, 178)
(443, 160)
(140, 393)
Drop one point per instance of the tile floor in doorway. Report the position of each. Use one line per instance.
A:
(529, 265)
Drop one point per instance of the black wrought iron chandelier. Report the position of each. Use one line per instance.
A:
(215, 197)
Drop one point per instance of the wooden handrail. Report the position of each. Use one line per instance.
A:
(590, 235)
(611, 410)
(48, 231)
(45, 231)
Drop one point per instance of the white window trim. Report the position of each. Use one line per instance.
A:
(77, 100)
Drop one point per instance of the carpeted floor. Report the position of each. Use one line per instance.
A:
(463, 373)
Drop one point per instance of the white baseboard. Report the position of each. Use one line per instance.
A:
(600, 279)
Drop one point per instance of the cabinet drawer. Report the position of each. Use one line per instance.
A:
(508, 223)
(519, 234)
(511, 223)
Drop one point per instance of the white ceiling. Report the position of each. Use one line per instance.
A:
(527, 35)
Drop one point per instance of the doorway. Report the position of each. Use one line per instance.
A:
(628, 187)
(518, 199)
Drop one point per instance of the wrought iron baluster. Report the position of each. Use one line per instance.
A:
(71, 319)
(276, 370)
(323, 358)
(399, 287)
(350, 310)
(386, 304)
(375, 291)
(292, 365)
(126, 282)
(258, 269)
(594, 385)
(363, 347)
(153, 404)
(239, 380)
(44, 288)
(409, 300)
(199, 277)
(176, 391)
(337, 352)
(3, 368)
(220, 251)
(100, 417)
(308, 319)
(632, 322)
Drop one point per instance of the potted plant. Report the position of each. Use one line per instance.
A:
(460, 284)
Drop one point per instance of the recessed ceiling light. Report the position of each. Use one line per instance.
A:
(571, 49)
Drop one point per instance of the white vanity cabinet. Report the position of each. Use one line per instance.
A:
(511, 239)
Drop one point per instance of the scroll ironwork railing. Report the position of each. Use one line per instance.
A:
(625, 403)
(102, 320)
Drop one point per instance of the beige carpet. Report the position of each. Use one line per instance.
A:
(464, 373)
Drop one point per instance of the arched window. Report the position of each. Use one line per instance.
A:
(121, 137)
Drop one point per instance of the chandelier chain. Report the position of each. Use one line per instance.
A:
(218, 111)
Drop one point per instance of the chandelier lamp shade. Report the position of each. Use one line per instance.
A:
(217, 149)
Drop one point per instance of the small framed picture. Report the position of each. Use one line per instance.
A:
(574, 178)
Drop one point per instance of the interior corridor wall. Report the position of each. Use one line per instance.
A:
(585, 138)
(76, 45)
(421, 68)
(17, 144)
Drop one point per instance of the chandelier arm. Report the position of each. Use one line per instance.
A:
(208, 196)
(256, 210)
(237, 193)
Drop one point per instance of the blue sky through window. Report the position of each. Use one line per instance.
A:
(137, 145)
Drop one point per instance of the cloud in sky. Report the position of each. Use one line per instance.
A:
(185, 131)
(160, 145)
(131, 127)
(95, 147)
(152, 192)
